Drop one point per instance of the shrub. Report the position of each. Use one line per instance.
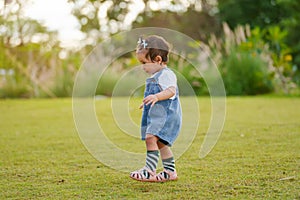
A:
(245, 74)
(63, 84)
(187, 77)
(106, 83)
(121, 83)
(15, 87)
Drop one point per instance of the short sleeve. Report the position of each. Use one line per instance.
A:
(167, 79)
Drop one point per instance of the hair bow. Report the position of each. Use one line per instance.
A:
(142, 42)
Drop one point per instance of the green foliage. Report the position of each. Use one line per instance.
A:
(245, 74)
(63, 84)
(243, 60)
(197, 25)
(280, 22)
(14, 86)
(253, 12)
(269, 44)
(107, 83)
(281, 57)
(64, 75)
(187, 77)
(121, 83)
(291, 24)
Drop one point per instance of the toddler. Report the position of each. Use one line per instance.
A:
(161, 118)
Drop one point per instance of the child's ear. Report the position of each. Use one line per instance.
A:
(158, 59)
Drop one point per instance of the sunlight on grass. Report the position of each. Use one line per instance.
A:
(256, 157)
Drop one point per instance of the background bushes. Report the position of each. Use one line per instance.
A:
(244, 74)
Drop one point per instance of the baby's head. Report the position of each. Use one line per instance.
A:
(153, 48)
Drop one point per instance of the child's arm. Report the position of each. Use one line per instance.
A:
(163, 95)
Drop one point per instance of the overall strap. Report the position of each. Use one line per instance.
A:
(157, 75)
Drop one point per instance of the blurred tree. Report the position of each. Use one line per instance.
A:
(196, 19)
(17, 50)
(198, 25)
(99, 19)
(252, 12)
(29, 54)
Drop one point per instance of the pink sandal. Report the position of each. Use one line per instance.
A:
(166, 176)
(144, 175)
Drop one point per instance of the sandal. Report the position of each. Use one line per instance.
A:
(166, 175)
(144, 175)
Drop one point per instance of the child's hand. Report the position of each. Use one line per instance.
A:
(151, 99)
(141, 106)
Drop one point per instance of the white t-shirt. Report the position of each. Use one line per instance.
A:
(167, 79)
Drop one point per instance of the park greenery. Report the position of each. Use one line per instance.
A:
(254, 44)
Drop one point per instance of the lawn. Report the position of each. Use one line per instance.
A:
(256, 157)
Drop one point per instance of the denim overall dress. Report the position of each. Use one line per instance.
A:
(164, 118)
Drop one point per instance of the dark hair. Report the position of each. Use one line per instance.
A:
(154, 46)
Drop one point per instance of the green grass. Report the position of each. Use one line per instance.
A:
(256, 157)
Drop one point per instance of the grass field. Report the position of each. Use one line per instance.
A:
(256, 157)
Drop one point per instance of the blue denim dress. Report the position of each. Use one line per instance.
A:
(164, 118)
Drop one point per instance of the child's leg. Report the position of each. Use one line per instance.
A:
(168, 161)
(165, 151)
(167, 157)
(152, 152)
(148, 172)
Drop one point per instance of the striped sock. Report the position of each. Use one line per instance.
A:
(152, 159)
(169, 164)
